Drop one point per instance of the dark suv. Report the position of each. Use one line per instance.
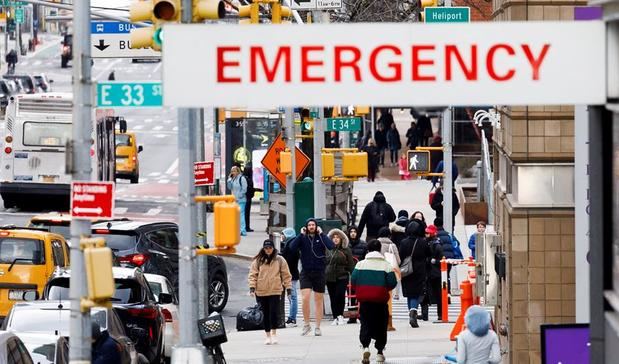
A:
(153, 247)
(134, 303)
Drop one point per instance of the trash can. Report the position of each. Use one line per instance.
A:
(303, 202)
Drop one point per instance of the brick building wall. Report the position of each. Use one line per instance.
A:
(481, 10)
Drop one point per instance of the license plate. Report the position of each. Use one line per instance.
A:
(17, 295)
(121, 160)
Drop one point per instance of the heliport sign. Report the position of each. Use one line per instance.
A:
(492, 63)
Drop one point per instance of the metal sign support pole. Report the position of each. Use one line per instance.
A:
(79, 323)
(447, 169)
(201, 219)
(290, 180)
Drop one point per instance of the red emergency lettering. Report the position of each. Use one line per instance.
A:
(222, 63)
(418, 62)
(306, 63)
(451, 51)
(535, 62)
(257, 53)
(340, 63)
(396, 67)
(490, 62)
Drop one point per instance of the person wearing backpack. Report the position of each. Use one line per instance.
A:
(376, 214)
(446, 244)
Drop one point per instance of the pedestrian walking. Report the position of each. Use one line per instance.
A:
(439, 169)
(418, 215)
(105, 350)
(405, 175)
(434, 273)
(373, 159)
(358, 246)
(292, 258)
(413, 285)
(436, 155)
(381, 142)
(237, 184)
(340, 264)
(249, 194)
(438, 204)
(312, 244)
(478, 344)
(268, 276)
(447, 245)
(112, 76)
(393, 143)
(398, 228)
(481, 229)
(412, 139)
(390, 251)
(11, 60)
(424, 130)
(373, 279)
(376, 214)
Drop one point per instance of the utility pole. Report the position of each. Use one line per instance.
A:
(189, 350)
(320, 207)
(201, 215)
(79, 323)
(290, 180)
(447, 171)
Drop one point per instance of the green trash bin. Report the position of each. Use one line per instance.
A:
(303, 202)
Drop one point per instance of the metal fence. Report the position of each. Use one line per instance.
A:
(485, 180)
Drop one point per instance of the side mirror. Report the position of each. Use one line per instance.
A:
(140, 148)
(138, 333)
(30, 296)
(165, 298)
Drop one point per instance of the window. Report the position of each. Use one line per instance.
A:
(26, 251)
(46, 134)
(17, 352)
(123, 140)
(165, 238)
(58, 253)
(127, 291)
(155, 287)
(117, 241)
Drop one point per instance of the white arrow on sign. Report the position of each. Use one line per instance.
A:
(118, 46)
(88, 210)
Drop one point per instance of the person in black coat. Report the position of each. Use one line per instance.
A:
(381, 142)
(105, 350)
(249, 194)
(437, 204)
(413, 285)
(446, 243)
(394, 143)
(434, 273)
(412, 138)
(424, 130)
(373, 159)
(358, 246)
(376, 214)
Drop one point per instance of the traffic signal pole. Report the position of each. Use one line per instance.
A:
(189, 350)
(81, 168)
(290, 179)
(201, 220)
(447, 169)
(320, 197)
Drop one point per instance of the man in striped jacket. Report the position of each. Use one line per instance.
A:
(373, 279)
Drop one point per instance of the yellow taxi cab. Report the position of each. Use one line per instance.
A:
(28, 257)
(127, 163)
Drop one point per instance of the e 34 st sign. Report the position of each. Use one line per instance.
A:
(386, 64)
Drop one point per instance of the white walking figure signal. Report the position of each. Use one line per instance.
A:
(413, 163)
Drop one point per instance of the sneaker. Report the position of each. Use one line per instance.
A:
(340, 320)
(274, 339)
(335, 322)
(267, 341)
(366, 356)
(317, 332)
(306, 330)
(380, 358)
(291, 323)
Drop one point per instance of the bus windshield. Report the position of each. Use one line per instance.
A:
(46, 134)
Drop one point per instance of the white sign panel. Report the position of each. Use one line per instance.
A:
(328, 4)
(110, 39)
(485, 63)
(303, 4)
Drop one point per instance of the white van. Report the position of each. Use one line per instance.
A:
(33, 161)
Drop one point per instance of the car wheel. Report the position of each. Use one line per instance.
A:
(9, 203)
(135, 179)
(218, 294)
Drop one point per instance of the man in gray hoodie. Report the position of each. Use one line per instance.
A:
(478, 344)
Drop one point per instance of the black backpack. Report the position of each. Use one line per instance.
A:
(380, 215)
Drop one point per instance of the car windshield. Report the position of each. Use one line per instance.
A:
(123, 140)
(117, 241)
(49, 320)
(127, 291)
(155, 287)
(46, 134)
(27, 251)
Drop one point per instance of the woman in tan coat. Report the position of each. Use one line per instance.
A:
(268, 276)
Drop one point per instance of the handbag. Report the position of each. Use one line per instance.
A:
(406, 268)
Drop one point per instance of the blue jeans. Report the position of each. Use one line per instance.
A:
(243, 205)
(413, 303)
(294, 302)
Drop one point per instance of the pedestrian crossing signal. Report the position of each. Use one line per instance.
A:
(418, 161)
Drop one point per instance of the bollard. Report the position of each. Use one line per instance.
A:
(466, 301)
(472, 273)
(444, 292)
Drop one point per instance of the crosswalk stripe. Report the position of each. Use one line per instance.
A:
(152, 212)
(120, 210)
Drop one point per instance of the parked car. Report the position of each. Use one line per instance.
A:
(42, 82)
(134, 303)
(59, 223)
(160, 284)
(27, 82)
(46, 348)
(13, 350)
(52, 318)
(153, 246)
(28, 258)
(66, 53)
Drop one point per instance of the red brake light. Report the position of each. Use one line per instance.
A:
(8, 150)
(135, 259)
(147, 313)
(102, 231)
(167, 315)
(4, 233)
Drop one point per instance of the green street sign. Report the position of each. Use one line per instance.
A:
(129, 94)
(455, 14)
(351, 123)
(12, 3)
(19, 15)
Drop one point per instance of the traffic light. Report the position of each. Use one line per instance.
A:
(227, 224)
(354, 164)
(278, 11)
(252, 11)
(156, 11)
(98, 264)
(362, 110)
(328, 165)
(285, 162)
(208, 9)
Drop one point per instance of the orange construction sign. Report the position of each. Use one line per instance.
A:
(271, 160)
